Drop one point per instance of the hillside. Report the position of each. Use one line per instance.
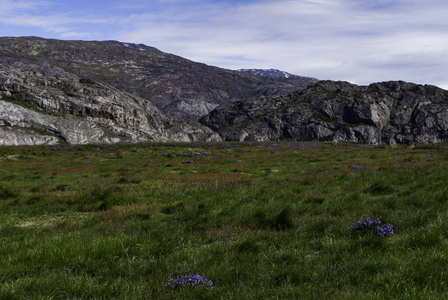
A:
(109, 92)
(177, 86)
(44, 104)
(393, 112)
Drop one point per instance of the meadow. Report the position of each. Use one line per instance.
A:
(224, 221)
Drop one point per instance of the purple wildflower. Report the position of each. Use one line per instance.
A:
(369, 225)
(189, 280)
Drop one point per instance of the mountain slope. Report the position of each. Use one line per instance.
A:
(177, 86)
(44, 104)
(390, 112)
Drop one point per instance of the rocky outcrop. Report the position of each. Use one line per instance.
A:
(43, 104)
(176, 86)
(393, 112)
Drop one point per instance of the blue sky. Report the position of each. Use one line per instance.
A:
(361, 41)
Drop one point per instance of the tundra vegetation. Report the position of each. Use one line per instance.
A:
(298, 220)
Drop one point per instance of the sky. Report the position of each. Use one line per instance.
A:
(360, 41)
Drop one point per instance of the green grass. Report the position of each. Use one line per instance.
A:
(117, 222)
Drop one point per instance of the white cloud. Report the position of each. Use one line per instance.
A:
(355, 40)
(9, 6)
(338, 39)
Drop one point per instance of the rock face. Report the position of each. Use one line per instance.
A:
(176, 86)
(389, 112)
(44, 104)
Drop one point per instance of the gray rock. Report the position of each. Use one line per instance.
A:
(36, 97)
(390, 112)
(16, 137)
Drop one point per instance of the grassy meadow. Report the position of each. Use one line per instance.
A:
(258, 220)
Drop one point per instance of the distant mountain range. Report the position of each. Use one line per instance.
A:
(79, 92)
(272, 73)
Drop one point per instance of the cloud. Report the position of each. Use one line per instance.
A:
(10, 6)
(360, 41)
(354, 40)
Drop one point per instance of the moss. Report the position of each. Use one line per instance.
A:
(15, 100)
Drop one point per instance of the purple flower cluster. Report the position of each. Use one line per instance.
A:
(357, 167)
(189, 280)
(385, 231)
(369, 224)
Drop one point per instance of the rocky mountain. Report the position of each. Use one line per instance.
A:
(389, 112)
(272, 73)
(176, 86)
(81, 92)
(44, 104)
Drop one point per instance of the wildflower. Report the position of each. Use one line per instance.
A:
(414, 161)
(429, 159)
(336, 167)
(254, 160)
(369, 224)
(356, 167)
(324, 172)
(272, 152)
(188, 161)
(189, 280)
(239, 160)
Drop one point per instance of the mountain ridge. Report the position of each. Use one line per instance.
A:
(89, 92)
(272, 73)
(177, 86)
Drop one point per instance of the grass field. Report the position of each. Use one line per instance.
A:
(257, 221)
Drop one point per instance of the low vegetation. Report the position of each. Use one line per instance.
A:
(224, 221)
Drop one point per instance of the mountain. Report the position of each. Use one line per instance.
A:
(44, 104)
(272, 73)
(392, 112)
(81, 92)
(176, 86)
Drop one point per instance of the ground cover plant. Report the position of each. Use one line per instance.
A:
(285, 220)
